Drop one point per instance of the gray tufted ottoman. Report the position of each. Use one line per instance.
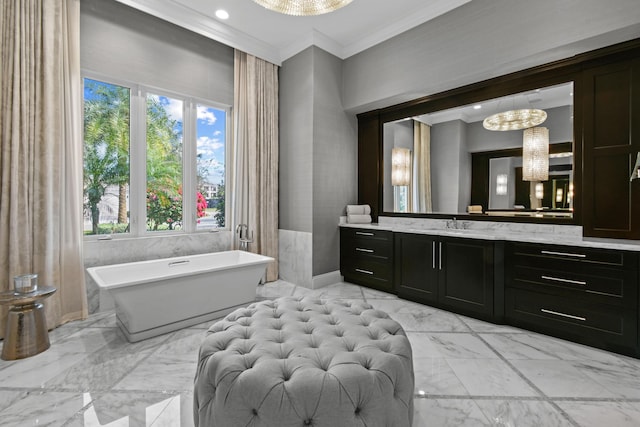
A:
(305, 361)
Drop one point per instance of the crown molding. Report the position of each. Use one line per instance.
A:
(199, 23)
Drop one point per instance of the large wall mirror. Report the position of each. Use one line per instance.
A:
(448, 162)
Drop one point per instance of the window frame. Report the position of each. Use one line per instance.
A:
(138, 158)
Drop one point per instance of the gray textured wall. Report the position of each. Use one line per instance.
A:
(447, 142)
(480, 40)
(122, 42)
(296, 143)
(334, 160)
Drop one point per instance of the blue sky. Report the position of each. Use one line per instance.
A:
(210, 134)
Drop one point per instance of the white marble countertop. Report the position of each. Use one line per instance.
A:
(507, 234)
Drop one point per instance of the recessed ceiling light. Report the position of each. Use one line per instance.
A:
(222, 14)
(477, 107)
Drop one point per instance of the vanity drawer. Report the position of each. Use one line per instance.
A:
(604, 286)
(590, 323)
(372, 273)
(532, 254)
(366, 234)
(368, 248)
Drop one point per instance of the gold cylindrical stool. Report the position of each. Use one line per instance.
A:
(26, 330)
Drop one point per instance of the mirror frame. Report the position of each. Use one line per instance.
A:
(566, 71)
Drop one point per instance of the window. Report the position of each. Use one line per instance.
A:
(153, 161)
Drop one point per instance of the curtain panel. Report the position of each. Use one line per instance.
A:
(422, 168)
(256, 175)
(41, 152)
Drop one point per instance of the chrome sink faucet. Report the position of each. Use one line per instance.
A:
(452, 224)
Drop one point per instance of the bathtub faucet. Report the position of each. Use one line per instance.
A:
(242, 230)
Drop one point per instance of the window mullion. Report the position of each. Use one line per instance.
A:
(138, 168)
(188, 168)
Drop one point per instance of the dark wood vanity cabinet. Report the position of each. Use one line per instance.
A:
(611, 140)
(366, 257)
(456, 274)
(582, 294)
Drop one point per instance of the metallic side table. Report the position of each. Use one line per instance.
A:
(26, 334)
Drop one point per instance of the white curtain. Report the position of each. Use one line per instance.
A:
(421, 168)
(41, 152)
(256, 131)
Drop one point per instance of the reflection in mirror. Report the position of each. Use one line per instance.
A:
(438, 148)
(512, 196)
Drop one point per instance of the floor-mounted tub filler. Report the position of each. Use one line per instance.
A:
(159, 296)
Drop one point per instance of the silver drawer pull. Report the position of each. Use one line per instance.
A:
(563, 254)
(433, 251)
(364, 271)
(558, 279)
(362, 233)
(369, 251)
(570, 316)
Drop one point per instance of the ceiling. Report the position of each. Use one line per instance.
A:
(276, 37)
(543, 98)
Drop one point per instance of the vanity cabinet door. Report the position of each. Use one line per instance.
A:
(416, 267)
(611, 126)
(466, 277)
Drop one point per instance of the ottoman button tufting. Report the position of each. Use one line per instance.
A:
(235, 372)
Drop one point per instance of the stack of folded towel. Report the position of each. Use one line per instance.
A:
(359, 214)
(474, 209)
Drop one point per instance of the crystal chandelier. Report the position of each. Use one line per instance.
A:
(303, 7)
(535, 154)
(515, 119)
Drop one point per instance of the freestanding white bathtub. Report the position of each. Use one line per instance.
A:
(159, 296)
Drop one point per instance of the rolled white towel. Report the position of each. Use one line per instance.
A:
(358, 210)
(359, 219)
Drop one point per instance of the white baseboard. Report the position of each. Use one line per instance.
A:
(326, 279)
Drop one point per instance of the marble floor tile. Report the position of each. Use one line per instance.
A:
(37, 370)
(338, 290)
(598, 414)
(275, 289)
(622, 380)
(486, 327)
(559, 378)
(556, 348)
(522, 413)
(396, 305)
(448, 412)
(375, 294)
(460, 346)
(8, 398)
(44, 408)
(434, 376)
(97, 371)
(490, 377)
(422, 346)
(519, 346)
(135, 409)
(467, 373)
(182, 346)
(176, 360)
(419, 318)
